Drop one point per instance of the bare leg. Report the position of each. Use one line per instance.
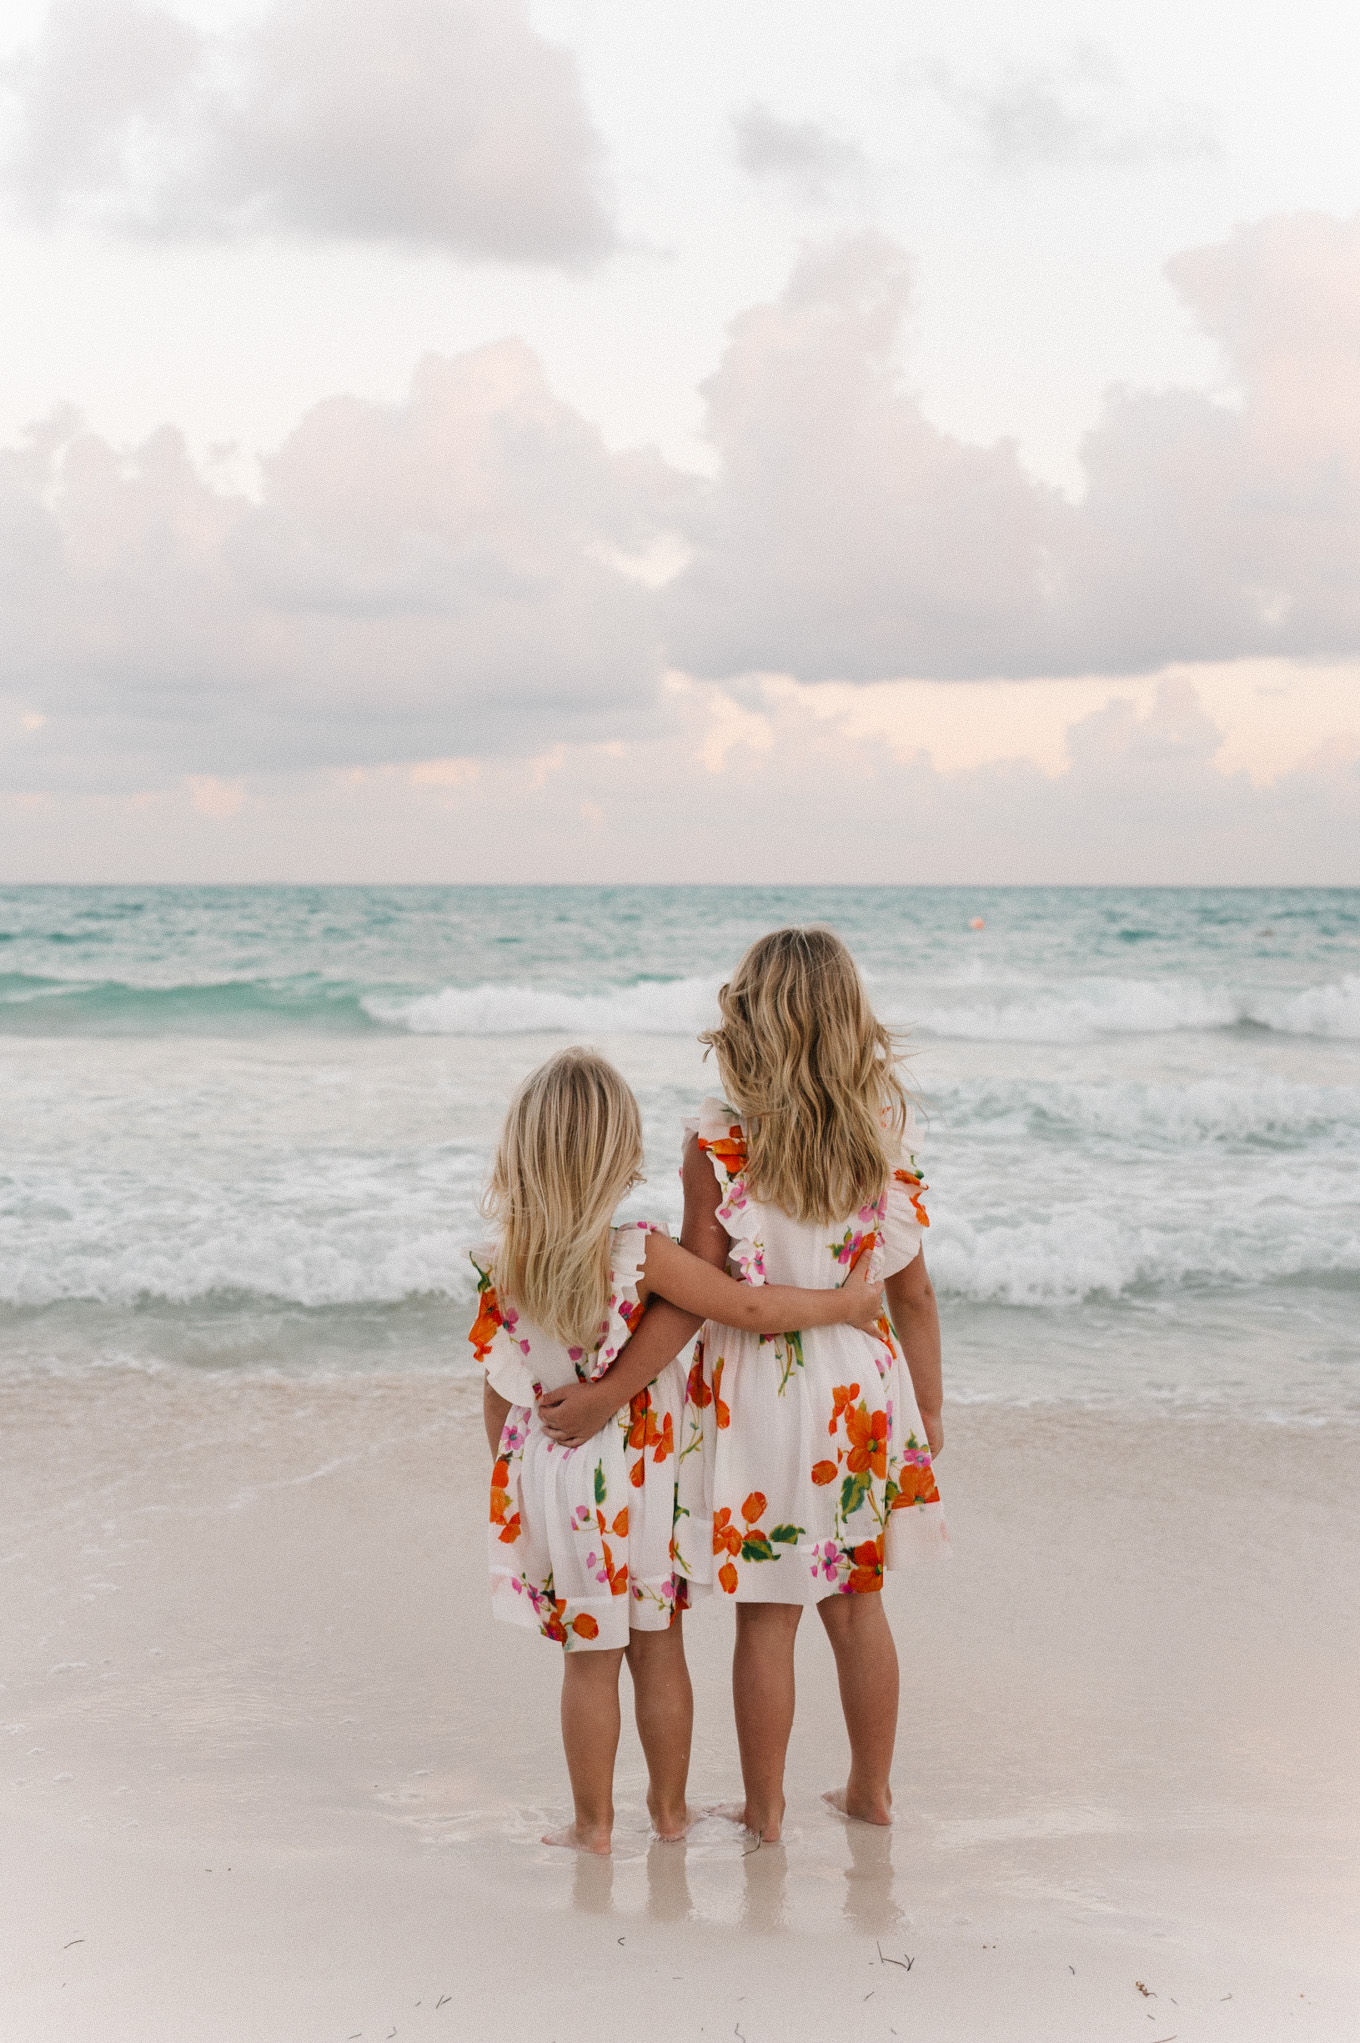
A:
(866, 1664)
(663, 1703)
(590, 1737)
(762, 1697)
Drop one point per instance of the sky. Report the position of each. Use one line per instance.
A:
(464, 440)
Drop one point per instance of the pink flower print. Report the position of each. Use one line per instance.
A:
(750, 1260)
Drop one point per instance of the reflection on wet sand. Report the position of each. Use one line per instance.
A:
(592, 1886)
(668, 1895)
(764, 1904)
(870, 1903)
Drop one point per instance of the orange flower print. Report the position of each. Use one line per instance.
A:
(696, 1390)
(753, 1506)
(723, 1414)
(643, 1431)
(511, 1531)
(482, 1332)
(843, 1397)
(867, 1573)
(915, 1484)
(500, 1500)
(915, 1185)
(727, 1577)
(868, 1435)
(665, 1439)
(620, 1526)
(824, 1471)
(726, 1538)
(585, 1626)
(729, 1149)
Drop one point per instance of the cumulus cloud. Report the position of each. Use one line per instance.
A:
(428, 578)
(474, 571)
(801, 155)
(1077, 111)
(449, 124)
(845, 536)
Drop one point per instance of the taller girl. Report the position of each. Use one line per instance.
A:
(812, 1452)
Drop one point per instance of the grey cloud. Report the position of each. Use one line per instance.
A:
(802, 155)
(1076, 112)
(417, 580)
(474, 571)
(845, 537)
(442, 123)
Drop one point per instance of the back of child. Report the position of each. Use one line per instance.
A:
(809, 1452)
(581, 1542)
(583, 1521)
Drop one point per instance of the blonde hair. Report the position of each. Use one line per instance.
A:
(570, 1149)
(813, 1072)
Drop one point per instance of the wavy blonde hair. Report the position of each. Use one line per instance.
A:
(813, 1073)
(570, 1150)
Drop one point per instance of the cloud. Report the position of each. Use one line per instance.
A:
(473, 573)
(1143, 800)
(422, 579)
(1079, 111)
(844, 536)
(802, 155)
(447, 124)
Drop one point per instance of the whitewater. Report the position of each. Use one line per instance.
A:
(245, 1129)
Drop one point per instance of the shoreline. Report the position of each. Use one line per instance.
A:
(248, 1629)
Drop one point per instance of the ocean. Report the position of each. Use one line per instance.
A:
(245, 1129)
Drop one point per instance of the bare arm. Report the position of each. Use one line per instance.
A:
(495, 1411)
(689, 1281)
(911, 1301)
(572, 1415)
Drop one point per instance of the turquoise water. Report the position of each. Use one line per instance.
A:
(245, 1128)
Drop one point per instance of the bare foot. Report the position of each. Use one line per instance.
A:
(766, 1825)
(670, 1825)
(860, 1808)
(576, 1838)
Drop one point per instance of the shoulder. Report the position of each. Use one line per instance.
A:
(721, 1136)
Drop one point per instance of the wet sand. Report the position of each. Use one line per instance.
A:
(271, 1774)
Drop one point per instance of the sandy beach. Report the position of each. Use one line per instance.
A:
(272, 1775)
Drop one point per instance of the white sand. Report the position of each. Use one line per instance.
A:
(272, 1774)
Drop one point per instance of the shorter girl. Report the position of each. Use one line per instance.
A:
(584, 1542)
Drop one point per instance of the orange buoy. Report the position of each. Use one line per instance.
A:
(977, 923)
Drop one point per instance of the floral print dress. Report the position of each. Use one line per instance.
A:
(805, 1451)
(581, 1540)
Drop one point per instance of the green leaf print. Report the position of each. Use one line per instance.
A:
(756, 1547)
(601, 1487)
(854, 1490)
(792, 1357)
(787, 1535)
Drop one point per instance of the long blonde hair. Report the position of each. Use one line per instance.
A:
(813, 1072)
(570, 1149)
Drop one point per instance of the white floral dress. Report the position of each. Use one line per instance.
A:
(581, 1540)
(805, 1451)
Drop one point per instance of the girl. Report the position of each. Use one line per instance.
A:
(584, 1545)
(811, 1454)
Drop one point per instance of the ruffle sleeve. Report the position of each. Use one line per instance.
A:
(496, 1341)
(904, 1218)
(625, 1309)
(723, 1141)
